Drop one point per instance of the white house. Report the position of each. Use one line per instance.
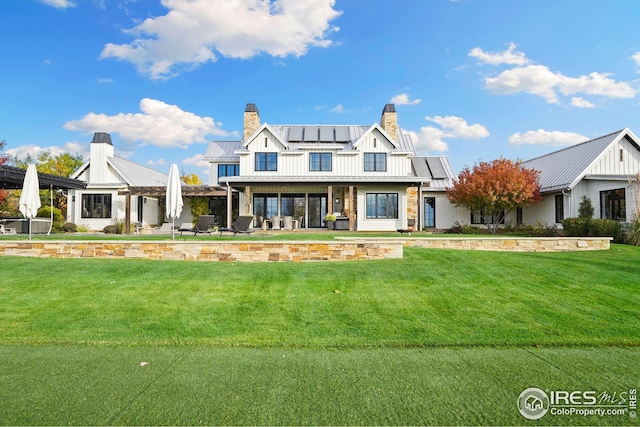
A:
(103, 203)
(368, 175)
(601, 169)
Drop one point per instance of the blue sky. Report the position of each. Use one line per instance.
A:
(471, 79)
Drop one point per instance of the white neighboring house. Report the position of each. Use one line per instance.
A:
(99, 204)
(602, 169)
(369, 176)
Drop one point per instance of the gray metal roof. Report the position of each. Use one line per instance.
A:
(12, 178)
(137, 175)
(563, 169)
(297, 136)
(223, 151)
(436, 169)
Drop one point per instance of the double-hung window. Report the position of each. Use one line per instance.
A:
(375, 162)
(559, 207)
(266, 161)
(382, 205)
(320, 162)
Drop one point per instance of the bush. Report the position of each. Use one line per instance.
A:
(58, 220)
(632, 235)
(586, 208)
(69, 227)
(594, 227)
(111, 229)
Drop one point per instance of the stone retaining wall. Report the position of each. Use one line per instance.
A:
(520, 244)
(241, 251)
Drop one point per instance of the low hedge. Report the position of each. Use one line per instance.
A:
(575, 227)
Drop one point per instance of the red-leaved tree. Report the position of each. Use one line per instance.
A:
(493, 189)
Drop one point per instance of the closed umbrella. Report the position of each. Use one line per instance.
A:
(174, 197)
(30, 197)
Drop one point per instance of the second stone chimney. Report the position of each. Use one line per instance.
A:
(389, 121)
(251, 121)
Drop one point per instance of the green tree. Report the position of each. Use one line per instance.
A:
(585, 210)
(4, 158)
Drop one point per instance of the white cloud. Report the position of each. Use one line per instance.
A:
(61, 4)
(338, 109)
(457, 127)
(403, 99)
(159, 124)
(72, 148)
(105, 80)
(194, 32)
(199, 162)
(431, 138)
(576, 101)
(543, 137)
(506, 57)
(636, 58)
(155, 162)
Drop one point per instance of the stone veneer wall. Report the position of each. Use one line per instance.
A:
(412, 205)
(519, 244)
(241, 251)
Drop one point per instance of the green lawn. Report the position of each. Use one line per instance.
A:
(438, 337)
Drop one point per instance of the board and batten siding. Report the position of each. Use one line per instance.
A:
(609, 163)
(375, 224)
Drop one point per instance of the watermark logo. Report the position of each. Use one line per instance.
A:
(533, 403)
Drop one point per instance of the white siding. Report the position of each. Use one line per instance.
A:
(446, 213)
(364, 224)
(609, 162)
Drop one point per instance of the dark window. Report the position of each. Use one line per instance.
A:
(266, 161)
(382, 205)
(228, 170)
(559, 207)
(218, 208)
(265, 206)
(613, 205)
(320, 162)
(96, 206)
(430, 212)
(478, 217)
(375, 162)
(519, 215)
(292, 205)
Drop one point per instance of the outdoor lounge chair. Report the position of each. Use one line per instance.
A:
(240, 226)
(203, 225)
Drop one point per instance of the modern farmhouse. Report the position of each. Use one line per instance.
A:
(368, 176)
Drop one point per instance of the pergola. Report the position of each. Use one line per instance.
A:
(12, 178)
(161, 192)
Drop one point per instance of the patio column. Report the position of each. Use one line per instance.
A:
(352, 212)
(127, 215)
(229, 206)
(247, 201)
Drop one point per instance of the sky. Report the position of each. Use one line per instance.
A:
(473, 80)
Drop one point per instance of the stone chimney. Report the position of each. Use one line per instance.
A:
(389, 121)
(101, 149)
(251, 121)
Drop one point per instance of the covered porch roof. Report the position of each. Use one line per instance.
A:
(12, 178)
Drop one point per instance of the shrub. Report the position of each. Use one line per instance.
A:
(586, 208)
(69, 227)
(111, 229)
(58, 220)
(594, 227)
(633, 232)
(576, 226)
(542, 229)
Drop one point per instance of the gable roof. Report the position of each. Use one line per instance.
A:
(563, 169)
(136, 175)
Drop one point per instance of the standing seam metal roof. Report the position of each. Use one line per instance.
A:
(560, 170)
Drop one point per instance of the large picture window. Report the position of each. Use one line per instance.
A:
(382, 205)
(613, 205)
(375, 162)
(228, 170)
(266, 161)
(320, 162)
(96, 206)
(478, 217)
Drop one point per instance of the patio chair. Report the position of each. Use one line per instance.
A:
(239, 226)
(4, 230)
(203, 225)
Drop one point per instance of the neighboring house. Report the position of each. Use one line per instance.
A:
(103, 203)
(601, 169)
(368, 175)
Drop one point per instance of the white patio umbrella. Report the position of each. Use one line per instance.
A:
(174, 197)
(30, 197)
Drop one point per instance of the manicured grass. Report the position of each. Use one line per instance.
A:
(429, 298)
(439, 337)
(70, 385)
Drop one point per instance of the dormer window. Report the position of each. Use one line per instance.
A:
(266, 161)
(375, 162)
